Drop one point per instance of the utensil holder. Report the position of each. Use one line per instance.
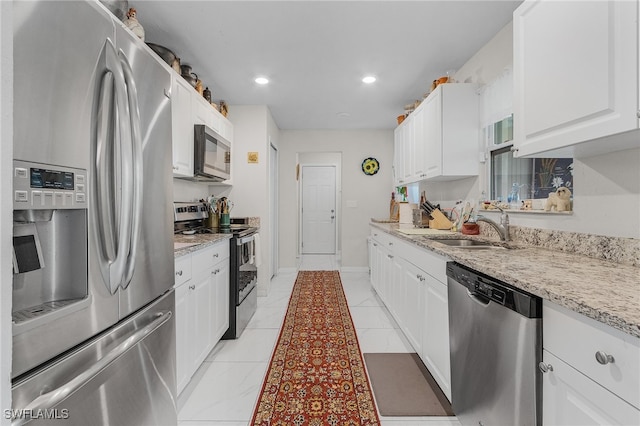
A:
(224, 220)
(212, 220)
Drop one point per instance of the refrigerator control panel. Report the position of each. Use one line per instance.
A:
(42, 186)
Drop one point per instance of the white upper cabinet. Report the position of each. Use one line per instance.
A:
(575, 77)
(451, 132)
(181, 127)
(188, 108)
(439, 140)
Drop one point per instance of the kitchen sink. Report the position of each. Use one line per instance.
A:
(470, 244)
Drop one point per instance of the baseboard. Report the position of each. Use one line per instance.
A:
(287, 270)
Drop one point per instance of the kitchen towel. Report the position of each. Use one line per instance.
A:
(257, 251)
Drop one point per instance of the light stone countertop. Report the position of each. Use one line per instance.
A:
(185, 244)
(600, 289)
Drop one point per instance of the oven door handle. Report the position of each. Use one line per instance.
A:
(245, 240)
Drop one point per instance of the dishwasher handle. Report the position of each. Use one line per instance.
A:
(478, 298)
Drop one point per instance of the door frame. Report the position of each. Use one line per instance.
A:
(274, 181)
(337, 205)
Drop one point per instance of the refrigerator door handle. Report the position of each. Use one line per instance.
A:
(136, 154)
(105, 168)
(124, 169)
(51, 399)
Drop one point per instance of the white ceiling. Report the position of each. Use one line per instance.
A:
(315, 53)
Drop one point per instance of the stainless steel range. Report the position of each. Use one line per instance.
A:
(243, 278)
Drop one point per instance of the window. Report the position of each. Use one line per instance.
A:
(516, 179)
(512, 180)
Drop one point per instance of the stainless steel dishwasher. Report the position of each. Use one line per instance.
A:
(496, 345)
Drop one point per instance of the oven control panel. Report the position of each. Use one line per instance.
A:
(42, 186)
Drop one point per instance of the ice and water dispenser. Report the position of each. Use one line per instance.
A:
(49, 242)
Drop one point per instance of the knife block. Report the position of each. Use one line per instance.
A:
(439, 220)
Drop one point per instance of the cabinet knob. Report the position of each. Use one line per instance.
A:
(389, 256)
(375, 245)
(192, 287)
(420, 277)
(215, 255)
(179, 273)
(604, 358)
(390, 244)
(175, 168)
(545, 367)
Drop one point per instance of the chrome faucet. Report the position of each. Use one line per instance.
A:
(502, 227)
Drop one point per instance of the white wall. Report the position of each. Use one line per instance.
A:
(187, 191)
(371, 194)
(607, 187)
(6, 208)
(254, 131)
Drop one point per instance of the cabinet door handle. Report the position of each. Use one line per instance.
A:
(389, 256)
(545, 367)
(192, 287)
(420, 277)
(179, 273)
(215, 255)
(604, 358)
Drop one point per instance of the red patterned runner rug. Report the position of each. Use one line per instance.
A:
(316, 376)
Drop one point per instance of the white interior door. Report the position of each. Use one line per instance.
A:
(318, 210)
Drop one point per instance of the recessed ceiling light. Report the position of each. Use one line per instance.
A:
(369, 79)
(261, 80)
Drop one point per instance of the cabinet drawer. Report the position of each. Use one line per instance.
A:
(385, 240)
(205, 259)
(432, 263)
(182, 269)
(576, 340)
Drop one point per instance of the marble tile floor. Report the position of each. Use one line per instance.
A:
(225, 388)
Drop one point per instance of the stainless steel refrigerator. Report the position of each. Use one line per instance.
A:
(93, 305)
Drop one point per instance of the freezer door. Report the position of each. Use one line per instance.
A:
(150, 271)
(126, 376)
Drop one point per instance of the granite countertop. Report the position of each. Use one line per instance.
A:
(185, 244)
(603, 290)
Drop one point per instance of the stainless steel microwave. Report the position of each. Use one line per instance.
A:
(212, 155)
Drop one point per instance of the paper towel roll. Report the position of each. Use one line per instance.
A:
(406, 212)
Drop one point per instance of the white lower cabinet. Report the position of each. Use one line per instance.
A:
(435, 336)
(411, 306)
(571, 398)
(411, 282)
(202, 307)
(591, 378)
